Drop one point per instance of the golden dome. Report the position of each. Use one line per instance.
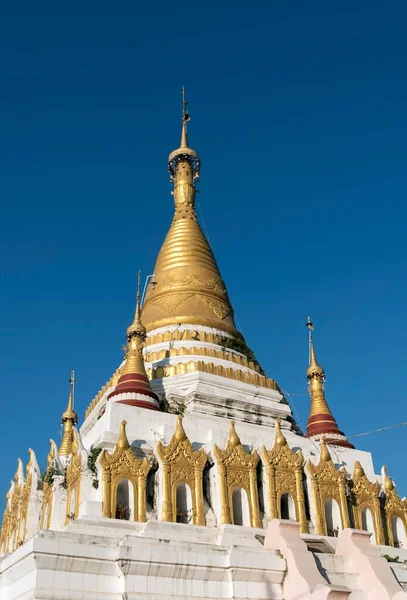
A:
(187, 286)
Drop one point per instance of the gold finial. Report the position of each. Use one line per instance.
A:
(69, 419)
(325, 456)
(358, 471)
(180, 431)
(122, 442)
(387, 481)
(137, 328)
(234, 439)
(185, 119)
(279, 437)
(314, 368)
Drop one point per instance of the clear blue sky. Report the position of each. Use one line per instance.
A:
(299, 114)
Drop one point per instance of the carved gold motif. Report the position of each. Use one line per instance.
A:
(237, 469)
(327, 482)
(284, 469)
(393, 506)
(73, 479)
(220, 308)
(170, 302)
(181, 464)
(192, 280)
(366, 495)
(123, 464)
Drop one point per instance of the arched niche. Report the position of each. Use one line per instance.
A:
(328, 483)
(367, 523)
(287, 507)
(284, 475)
(365, 499)
(237, 469)
(180, 466)
(123, 473)
(125, 506)
(398, 532)
(183, 503)
(240, 511)
(333, 518)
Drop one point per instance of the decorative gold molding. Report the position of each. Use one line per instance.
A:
(48, 494)
(327, 482)
(366, 495)
(123, 464)
(6, 527)
(238, 359)
(73, 479)
(393, 506)
(181, 464)
(25, 498)
(284, 470)
(208, 367)
(157, 372)
(237, 469)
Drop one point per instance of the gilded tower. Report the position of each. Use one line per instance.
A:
(187, 287)
(321, 421)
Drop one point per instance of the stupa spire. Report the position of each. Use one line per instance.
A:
(133, 386)
(321, 422)
(69, 420)
(188, 287)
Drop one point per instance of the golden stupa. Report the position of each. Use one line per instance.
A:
(187, 287)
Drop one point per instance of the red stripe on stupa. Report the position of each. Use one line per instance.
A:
(325, 424)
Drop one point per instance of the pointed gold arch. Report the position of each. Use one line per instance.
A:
(393, 506)
(327, 482)
(73, 479)
(237, 469)
(48, 494)
(123, 464)
(181, 464)
(284, 470)
(366, 495)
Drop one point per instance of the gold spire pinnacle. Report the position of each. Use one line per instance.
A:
(133, 386)
(185, 119)
(316, 378)
(387, 481)
(320, 421)
(325, 455)
(234, 439)
(279, 439)
(180, 431)
(69, 420)
(122, 442)
(137, 328)
(188, 287)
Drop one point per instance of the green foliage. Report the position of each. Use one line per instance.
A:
(92, 458)
(394, 559)
(49, 475)
(239, 345)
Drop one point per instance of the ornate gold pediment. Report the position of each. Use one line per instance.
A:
(394, 506)
(123, 464)
(284, 471)
(327, 482)
(237, 469)
(182, 464)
